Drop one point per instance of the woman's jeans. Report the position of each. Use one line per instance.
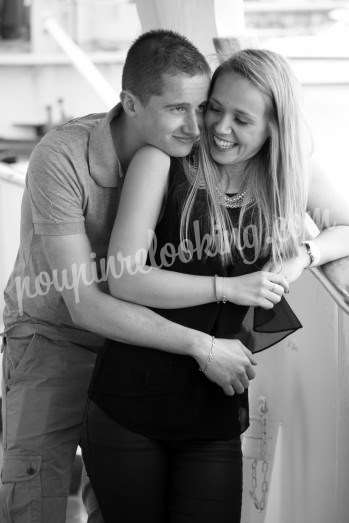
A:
(137, 479)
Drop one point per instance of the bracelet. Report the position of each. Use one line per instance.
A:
(219, 293)
(313, 252)
(209, 357)
(215, 287)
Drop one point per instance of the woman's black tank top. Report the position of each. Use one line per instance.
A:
(164, 395)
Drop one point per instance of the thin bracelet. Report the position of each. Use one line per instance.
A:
(209, 357)
(219, 294)
(215, 287)
(313, 253)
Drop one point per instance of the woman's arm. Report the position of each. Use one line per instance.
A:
(328, 205)
(142, 196)
(141, 200)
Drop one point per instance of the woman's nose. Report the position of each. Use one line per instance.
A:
(224, 125)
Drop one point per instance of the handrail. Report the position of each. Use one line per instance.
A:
(342, 300)
(340, 296)
(10, 175)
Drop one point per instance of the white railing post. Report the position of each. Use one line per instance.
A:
(195, 19)
(230, 18)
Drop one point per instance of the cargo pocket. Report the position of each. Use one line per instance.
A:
(19, 353)
(21, 491)
(16, 352)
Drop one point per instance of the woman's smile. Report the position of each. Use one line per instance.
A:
(223, 143)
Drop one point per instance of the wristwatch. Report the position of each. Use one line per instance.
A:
(313, 252)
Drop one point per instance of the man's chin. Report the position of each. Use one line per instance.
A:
(181, 150)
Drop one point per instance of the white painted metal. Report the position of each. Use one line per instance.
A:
(192, 18)
(305, 382)
(230, 18)
(40, 40)
(82, 62)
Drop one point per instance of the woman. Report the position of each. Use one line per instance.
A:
(162, 442)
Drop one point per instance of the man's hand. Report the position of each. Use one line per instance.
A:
(231, 366)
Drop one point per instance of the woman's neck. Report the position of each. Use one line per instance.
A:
(231, 178)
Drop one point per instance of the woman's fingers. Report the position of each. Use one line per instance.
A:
(272, 297)
(279, 279)
(275, 288)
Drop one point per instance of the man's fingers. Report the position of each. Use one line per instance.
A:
(237, 386)
(244, 380)
(250, 373)
(249, 354)
(228, 390)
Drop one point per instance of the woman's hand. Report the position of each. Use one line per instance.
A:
(292, 268)
(260, 289)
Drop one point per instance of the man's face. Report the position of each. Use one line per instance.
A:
(171, 121)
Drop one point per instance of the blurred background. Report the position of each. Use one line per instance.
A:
(60, 59)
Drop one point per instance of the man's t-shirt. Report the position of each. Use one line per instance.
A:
(73, 186)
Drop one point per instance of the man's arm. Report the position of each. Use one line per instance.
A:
(58, 196)
(94, 310)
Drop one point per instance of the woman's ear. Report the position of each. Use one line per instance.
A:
(270, 129)
(129, 103)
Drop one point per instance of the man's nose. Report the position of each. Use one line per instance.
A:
(192, 125)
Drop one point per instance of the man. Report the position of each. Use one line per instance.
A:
(58, 311)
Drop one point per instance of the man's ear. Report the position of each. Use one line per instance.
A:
(129, 103)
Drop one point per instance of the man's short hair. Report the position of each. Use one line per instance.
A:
(156, 53)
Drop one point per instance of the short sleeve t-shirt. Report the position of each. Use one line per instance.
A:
(72, 186)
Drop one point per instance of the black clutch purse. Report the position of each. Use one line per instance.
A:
(263, 328)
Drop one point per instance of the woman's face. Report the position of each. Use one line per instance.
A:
(236, 120)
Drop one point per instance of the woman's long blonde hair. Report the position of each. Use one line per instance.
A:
(275, 177)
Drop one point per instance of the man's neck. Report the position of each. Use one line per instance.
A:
(125, 139)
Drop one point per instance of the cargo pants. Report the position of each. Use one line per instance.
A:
(44, 391)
